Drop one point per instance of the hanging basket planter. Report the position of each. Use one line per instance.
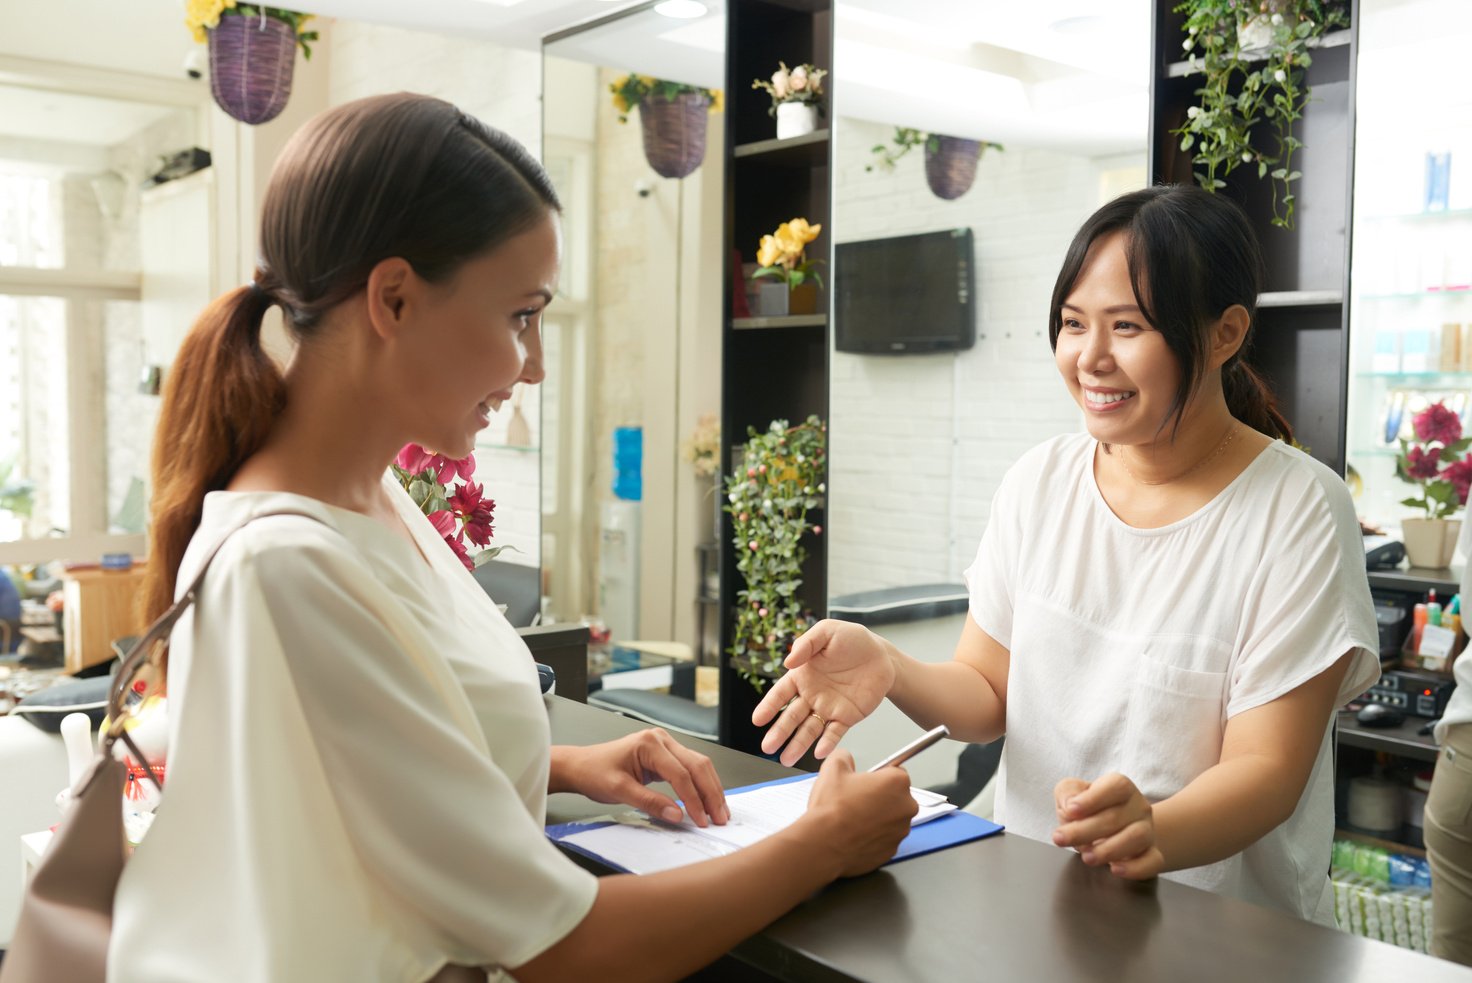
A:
(251, 63)
(950, 165)
(674, 132)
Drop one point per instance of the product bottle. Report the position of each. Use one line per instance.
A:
(1418, 622)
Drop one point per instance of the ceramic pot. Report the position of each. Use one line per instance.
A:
(1430, 542)
(803, 298)
(795, 119)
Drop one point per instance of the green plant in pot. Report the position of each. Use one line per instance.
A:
(950, 162)
(1252, 55)
(769, 497)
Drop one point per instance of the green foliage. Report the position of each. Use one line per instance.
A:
(292, 19)
(769, 497)
(906, 139)
(630, 90)
(17, 497)
(1241, 90)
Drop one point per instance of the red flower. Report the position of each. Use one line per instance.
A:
(1459, 473)
(1422, 464)
(460, 551)
(475, 511)
(443, 522)
(1437, 424)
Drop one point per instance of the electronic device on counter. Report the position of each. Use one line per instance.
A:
(1421, 694)
(1383, 553)
(1393, 621)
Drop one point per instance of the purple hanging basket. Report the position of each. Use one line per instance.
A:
(251, 63)
(951, 166)
(674, 132)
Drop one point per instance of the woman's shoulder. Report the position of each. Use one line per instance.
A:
(1299, 486)
(1066, 450)
(280, 529)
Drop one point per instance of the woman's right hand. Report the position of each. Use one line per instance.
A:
(837, 673)
(861, 815)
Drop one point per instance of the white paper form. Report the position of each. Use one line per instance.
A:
(643, 846)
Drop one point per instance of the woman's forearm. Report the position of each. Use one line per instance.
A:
(665, 926)
(1226, 809)
(951, 693)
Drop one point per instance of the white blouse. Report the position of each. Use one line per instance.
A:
(358, 766)
(1132, 648)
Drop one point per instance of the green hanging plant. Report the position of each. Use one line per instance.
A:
(1253, 57)
(780, 480)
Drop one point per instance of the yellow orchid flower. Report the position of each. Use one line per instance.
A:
(800, 228)
(768, 253)
(717, 100)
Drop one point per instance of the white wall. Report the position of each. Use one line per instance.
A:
(919, 443)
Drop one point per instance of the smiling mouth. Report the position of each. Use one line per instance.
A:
(1104, 399)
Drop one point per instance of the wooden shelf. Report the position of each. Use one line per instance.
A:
(804, 151)
(1301, 298)
(1333, 39)
(789, 321)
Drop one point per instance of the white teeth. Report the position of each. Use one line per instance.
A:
(1094, 397)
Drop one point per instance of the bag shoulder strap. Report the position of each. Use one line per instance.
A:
(148, 648)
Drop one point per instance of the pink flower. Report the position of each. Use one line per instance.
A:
(460, 551)
(415, 459)
(1437, 424)
(1422, 464)
(443, 522)
(1459, 473)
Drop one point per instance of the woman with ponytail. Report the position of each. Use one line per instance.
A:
(359, 753)
(1165, 609)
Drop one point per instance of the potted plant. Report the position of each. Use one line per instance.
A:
(1252, 58)
(950, 162)
(252, 54)
(1436, 463)
(783, 256)
(796, 98)
(780, 481)
(672, 118)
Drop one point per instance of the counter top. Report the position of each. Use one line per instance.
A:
(1010, 908)
(1403, 739)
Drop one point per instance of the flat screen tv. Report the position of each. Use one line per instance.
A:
(909, 294)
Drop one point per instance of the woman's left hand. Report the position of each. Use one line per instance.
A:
(1108, 821)
(618, 771)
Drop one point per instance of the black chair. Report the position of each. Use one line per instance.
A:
(515, 585)
(974, 768)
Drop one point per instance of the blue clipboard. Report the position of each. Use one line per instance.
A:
(949, 830)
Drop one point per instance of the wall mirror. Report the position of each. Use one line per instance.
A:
(633, 339)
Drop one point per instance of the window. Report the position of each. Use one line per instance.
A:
(77, 390)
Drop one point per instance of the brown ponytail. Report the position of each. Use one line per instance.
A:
(1251, 400)
(222, 395)
(400, 175)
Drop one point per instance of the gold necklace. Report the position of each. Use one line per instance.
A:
(1231, 432)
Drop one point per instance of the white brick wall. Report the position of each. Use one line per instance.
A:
(919, 443)
(502, 87)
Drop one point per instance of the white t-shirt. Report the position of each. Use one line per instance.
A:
(1131, 648)
(1459, 707)
(358, 763)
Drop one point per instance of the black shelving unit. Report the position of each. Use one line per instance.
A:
(772, 367)
(1301, 344)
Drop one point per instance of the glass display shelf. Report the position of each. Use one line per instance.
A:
(1427, 379)
(1445, 213)
(1463, 293)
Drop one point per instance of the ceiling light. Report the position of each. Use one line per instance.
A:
(682, 9)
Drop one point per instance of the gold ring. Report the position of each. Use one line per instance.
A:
(821, 722)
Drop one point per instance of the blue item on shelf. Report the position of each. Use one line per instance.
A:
(1438, 179)
(628, 463)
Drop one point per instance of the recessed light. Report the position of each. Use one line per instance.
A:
(682, 9)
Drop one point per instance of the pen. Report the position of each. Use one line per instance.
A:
(914, 747)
